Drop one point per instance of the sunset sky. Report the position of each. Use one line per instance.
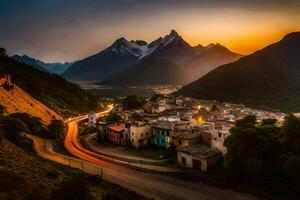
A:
(67, 30)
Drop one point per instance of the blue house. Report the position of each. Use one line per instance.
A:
(162, 133)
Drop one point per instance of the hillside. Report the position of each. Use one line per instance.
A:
(109, 66)
(64, 97)
(266, 78)
(17, 100)
(24, 176)
(152, 71)
(55, 68)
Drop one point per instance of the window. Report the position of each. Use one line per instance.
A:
(183, 160)
(132, 133)
(132, 140)
(219, 134)
(147, 133)
(142, 135)
(179, 142)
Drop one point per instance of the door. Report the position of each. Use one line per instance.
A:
(196, 164)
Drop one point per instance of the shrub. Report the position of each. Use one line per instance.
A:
(57, 128)
(113, 117)
(76, 189)
(34, 124)
(133, 102)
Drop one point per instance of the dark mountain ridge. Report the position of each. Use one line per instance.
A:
(266, 78)
(56, 68)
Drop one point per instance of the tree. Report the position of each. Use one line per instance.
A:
(292, 171)
(34, 124)
(57, 128)
(252, 149)
(133, 102)
(2, 51)
(214, 108)
(156, 96)
(113, 117)
(12, 128)
(290, 134)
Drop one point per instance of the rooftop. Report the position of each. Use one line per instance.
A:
(201, 151)
(118, 128)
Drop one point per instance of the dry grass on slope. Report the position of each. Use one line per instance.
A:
(22, 174)
(17, 100)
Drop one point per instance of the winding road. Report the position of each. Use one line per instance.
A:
(155, 186)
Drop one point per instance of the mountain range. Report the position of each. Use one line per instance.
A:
(55, 68)
(267, 78)
(166, 60)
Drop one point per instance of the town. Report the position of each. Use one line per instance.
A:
(194, 129)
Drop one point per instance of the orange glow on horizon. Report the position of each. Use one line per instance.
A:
(244, 44)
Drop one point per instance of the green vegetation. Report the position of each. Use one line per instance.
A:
(76, 189)
(34, 124)
(133, 102)
(2, 51)
(14, 127)
(57, 129)
(64, 97)
(156, 96)
(113, 117)
(265, 155)
(14, 130)
(83, 187)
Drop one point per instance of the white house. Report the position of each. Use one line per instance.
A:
(92, 120)
(198, 157)
(140, 134)
(218, 137)
(161, 105)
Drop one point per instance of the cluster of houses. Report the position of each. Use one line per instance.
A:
(196, 128)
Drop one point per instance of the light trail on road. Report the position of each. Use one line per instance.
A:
(156, 186)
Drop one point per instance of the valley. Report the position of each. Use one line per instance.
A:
(149, 100)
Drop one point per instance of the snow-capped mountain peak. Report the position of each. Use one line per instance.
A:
(141, 49)
(125, 47)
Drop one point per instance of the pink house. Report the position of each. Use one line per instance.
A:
(117, 134)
